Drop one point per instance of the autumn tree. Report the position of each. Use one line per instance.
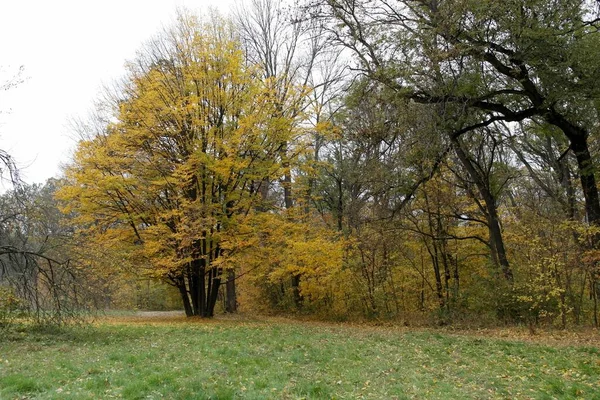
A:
(291, 54)
(499, 61)
(194, 134)
(38, 268)
(37, 278)
(367, 174)
(478, 66)
(484, 172)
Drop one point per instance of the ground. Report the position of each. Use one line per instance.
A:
(165, 355)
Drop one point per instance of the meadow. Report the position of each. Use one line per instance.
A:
(177, 358)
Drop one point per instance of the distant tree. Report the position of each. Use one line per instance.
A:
(34, 278)
(37, 262)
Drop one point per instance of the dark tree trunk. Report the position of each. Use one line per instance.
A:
(296, 290)
(588, 180)
(201, 294)
(194, 283)
(564, 175)
(439, 289)
(578, 139)
(205, 310)
(434, 254)
(230, 297)
(213, 293)
(185, 299)
(496, 241)
(456, 277)
(289, 203)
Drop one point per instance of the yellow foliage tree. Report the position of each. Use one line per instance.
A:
(180, 166)
(277, 245)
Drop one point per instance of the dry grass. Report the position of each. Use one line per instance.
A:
(584, 336)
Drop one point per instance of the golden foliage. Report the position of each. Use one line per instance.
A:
(193, 138)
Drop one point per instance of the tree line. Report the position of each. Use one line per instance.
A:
(414, 160)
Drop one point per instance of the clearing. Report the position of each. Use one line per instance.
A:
(152, 356)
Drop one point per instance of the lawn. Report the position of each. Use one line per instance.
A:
(277, 359)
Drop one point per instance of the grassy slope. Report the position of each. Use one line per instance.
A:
(280, 360)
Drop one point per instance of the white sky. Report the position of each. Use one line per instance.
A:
(69, 48)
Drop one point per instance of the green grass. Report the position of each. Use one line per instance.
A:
(280, 360)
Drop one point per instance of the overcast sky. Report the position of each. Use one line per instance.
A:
(68, 48)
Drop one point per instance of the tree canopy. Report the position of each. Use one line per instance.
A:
(409, 160)
(193, 138)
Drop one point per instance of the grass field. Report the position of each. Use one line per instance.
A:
(173, 358)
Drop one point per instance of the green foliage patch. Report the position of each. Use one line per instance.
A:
(282, 360)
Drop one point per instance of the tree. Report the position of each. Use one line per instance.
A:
(480, 66)
(290, 55)
(502, 61)
(36, 258)
(174, 176)
(36, 276)
(7, 163)
(485, 170)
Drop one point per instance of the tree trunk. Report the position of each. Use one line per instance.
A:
(578, 139)
(230, 297)
(296, 290)
(213, 293)
(194, 283)
(496, 241)
(201, 297)
(185, 299)
(201, 294)
(289, 203)
(434, 254)
(204, 310)
(564, 176)
(439, 291)
(588, 180)
(340, 205)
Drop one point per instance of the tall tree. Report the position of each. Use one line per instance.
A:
(194, 136)
(485, 62)
(289, 55)
(485, 170)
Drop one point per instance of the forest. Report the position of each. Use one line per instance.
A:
(419, 162)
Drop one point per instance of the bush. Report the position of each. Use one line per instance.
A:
(11, 307)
